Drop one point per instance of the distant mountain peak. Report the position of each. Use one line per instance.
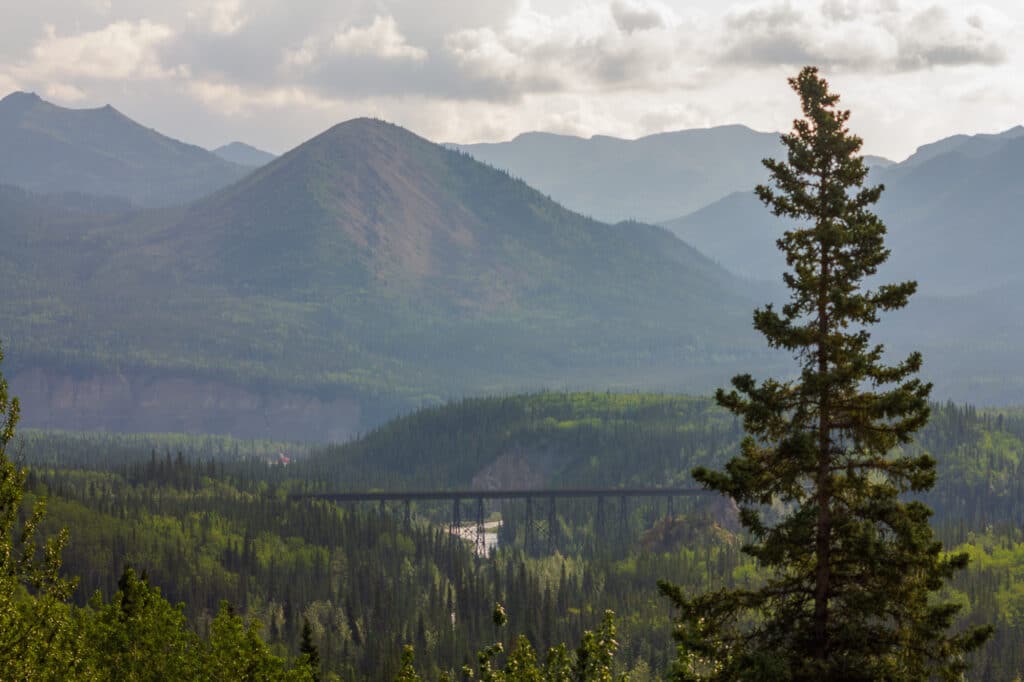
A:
(361, 123)
(244, 154)
(48, 148)
(18, 103)
(21, 96)
(973, 146)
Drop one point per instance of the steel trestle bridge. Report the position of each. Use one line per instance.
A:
(458, 497)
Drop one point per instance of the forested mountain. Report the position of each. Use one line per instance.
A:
(364, 272)
(49, 149)
(243, 154)
(953, 211)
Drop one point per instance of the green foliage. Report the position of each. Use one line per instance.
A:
(36, 631)
(217, 524)
(850, 569)
(407, 673)
(593, 661)
(560, 439)
(138, 635)
(309, 650)
(237, 652)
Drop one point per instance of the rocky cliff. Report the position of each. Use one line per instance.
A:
(161, 403)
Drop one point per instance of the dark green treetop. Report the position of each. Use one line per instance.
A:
(851, 570)
(309, 650)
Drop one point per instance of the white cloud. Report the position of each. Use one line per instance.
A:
(302, 55)
(632, 16)
(466, 70)
(231, 100)
(62, 92)
(8, 83)
(864, 35)
(118, 51)
(222, 17)
(590, 48)
(380, 39)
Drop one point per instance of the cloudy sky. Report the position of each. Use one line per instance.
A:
(276, 72)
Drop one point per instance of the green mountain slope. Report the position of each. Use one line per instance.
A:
(50, 149)
(367, 265)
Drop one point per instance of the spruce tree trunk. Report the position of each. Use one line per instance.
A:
(823, 531)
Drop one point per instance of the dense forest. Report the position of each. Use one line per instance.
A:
(211, 519)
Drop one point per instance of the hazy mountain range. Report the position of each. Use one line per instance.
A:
(953, 211)
(49, 149)
(369, 270)
(651, 179)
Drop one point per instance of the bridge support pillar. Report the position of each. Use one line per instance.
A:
(552, 524)
(623, 520)
(528, 527)
(456, 528)
(481, 529)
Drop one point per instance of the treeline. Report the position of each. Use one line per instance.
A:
(209, 527)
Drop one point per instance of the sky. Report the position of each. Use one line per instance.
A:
(274, 73)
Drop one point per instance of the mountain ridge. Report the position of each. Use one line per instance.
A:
(50, 149)
(650, 179)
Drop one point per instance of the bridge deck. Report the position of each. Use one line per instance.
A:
(410, 495)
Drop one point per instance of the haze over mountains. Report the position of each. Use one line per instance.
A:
(953, 211)
(369, 270)
(651, 179)
(49, 149)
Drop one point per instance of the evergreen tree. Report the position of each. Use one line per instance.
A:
(309, 650)
(851, 570)
(37, 637)
(139, 635)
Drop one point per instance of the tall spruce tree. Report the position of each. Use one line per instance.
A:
(851, 570)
